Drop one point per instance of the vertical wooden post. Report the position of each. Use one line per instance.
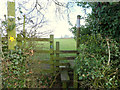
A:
(0, 62)
(11, 30)
(52, 51)
(57, 54)
(24, 31)
(78, 32)
(77, 45)
(20, 38)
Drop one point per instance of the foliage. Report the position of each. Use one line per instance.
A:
(13, 67)
(104, 18)
(92, 63)
(84, 30)
(99, 45)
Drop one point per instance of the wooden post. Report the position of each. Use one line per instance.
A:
(24, 31)
(52, 51)
(57, 54)
(0, 62)
(77, 45)
(20, 38)
(11, 30)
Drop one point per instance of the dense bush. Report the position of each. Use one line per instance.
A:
(13, 67)
(98, 63)
(17, 71)
(92, 63)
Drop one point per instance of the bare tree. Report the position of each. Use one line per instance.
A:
(35, 11)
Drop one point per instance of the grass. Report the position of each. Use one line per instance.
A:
(66, 44)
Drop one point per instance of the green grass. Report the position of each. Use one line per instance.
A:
(66, 44)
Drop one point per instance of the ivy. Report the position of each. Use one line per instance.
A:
(92, 63)
(14, 69)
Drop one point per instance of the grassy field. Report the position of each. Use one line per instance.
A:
(66, 44)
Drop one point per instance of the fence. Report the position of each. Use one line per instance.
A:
(57, 67)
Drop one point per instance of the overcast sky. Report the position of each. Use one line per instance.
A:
(57, 23)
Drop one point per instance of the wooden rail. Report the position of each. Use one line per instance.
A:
(38, 39)
(42, 51)
(64, 58)
(65, 51)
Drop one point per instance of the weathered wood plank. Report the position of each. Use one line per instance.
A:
(41, 51)
(64, 58)
(66, 51)
(38, 39)
(64, 75)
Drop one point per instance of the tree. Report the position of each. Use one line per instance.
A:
(104, 18)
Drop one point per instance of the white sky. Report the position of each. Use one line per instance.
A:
(59, 25)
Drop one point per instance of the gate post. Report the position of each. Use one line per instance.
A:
(52, 51)
(24, 31)
(11, 30)
(75, 85)
(57, 55)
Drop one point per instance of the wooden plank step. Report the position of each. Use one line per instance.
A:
(64, 75)
(55, 63)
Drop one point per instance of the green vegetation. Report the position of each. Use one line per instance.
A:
(14, 70)
(98, 63)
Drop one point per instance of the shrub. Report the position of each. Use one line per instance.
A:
(92, 62)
